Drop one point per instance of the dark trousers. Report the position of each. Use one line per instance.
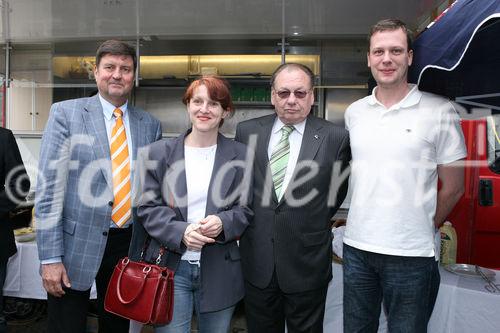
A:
(69, 312)
(267, 309)
(408, 287)
(3, 274)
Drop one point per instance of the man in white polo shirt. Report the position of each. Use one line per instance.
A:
(402, 142)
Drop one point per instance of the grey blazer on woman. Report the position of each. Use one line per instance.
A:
(163, 212)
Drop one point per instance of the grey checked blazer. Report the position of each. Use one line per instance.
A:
(74, 191)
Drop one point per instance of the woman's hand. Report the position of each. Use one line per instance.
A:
(193, 239)
(211, 226)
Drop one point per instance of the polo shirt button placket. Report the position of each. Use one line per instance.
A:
(382, 119)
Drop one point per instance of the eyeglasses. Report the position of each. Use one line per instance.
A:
(284, 94)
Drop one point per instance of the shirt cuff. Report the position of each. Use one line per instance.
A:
(51, 260)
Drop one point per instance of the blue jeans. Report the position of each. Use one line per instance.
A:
(187, 290)
(408, 287)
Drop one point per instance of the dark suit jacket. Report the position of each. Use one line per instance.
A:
(293, 240)
(10, 159)
(163, 216)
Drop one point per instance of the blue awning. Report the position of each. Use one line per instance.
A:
(459, 55)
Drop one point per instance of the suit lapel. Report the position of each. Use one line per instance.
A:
(176, 177)
(263, 137)
(93, 119)
(261, 155)
(138, 134)
(224, 154)
(311, 141)
(138, 138)
(313, 136)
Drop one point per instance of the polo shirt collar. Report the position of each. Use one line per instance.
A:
(411, 99)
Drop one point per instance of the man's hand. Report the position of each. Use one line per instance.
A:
(210, 226)
(193, 239)
(52, 276)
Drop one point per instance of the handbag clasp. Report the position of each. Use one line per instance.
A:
(162, 251)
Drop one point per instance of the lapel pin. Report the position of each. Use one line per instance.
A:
(316, 136)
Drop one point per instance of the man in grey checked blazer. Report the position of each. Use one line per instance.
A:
(286, 250)
(77, 242)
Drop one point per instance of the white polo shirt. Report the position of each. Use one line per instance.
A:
(395, 153)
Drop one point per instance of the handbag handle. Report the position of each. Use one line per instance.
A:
(148, 237)
(145, 270)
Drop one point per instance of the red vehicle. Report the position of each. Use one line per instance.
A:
(457, 56)
(476, 216)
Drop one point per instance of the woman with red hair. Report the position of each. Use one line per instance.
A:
(195, 203)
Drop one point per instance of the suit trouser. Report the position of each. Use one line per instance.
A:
(69, 312)
(267, 309)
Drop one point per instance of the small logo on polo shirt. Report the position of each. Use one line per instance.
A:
(408, 130)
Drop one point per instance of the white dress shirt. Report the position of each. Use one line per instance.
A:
(109, 121)
(295, 140)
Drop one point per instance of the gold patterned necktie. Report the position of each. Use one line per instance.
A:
(120, 166)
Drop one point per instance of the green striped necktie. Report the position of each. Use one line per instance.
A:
(279, 159)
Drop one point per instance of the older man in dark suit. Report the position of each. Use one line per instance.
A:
(16, 184)
(286, 251)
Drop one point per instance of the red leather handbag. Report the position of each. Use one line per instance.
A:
(141, 291)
